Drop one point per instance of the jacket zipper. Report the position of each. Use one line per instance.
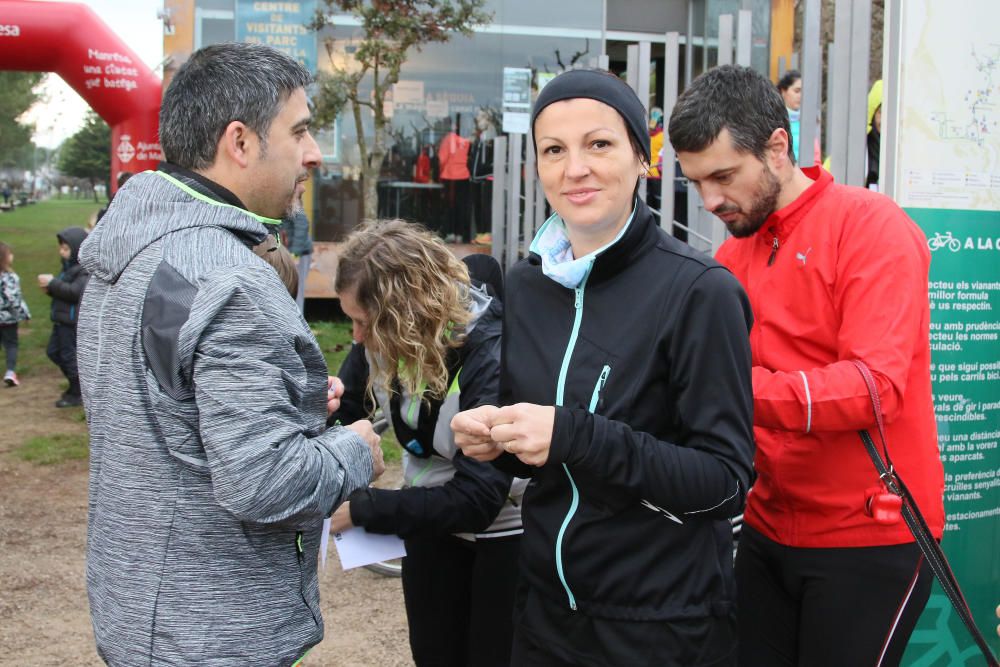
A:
(560, 394)
(601, 381)
(774, 248)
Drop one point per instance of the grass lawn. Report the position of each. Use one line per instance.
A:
(31, 232)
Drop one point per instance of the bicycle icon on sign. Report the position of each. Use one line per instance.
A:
(946, 240)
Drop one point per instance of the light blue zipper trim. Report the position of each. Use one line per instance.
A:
(560, 393)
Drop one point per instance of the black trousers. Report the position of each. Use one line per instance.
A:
(459, 600)
(8, 340)
(827, 607)
(62, 352)
(456, 219)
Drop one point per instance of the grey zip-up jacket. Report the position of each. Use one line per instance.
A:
(211, 466)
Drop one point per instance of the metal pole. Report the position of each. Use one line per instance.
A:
(827, 136)
(642, 90)
(892, 48)
(782, 68)
(811, 84)
(861, 14)
(632, 67)
(499, 182)
(514, 198)
(539, 205)
(725, 39)
(604, 27)
(689, 46)
(744, 37)
(530, 224)
(671, 69)
(603, 62)
(841, 90)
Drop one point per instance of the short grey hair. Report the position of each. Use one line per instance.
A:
(732, 98)
(217, 85)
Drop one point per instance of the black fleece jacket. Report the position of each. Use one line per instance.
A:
(652, 445)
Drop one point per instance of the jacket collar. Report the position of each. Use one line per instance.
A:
(638, 235)
(205, 186)
(782, 222)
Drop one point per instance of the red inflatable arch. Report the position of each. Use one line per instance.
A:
(70, 40)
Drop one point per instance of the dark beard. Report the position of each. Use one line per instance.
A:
(764, 204)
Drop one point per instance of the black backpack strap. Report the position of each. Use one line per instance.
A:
(419, 441)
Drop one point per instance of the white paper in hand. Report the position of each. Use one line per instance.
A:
(357, 547)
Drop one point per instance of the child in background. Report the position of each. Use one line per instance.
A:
(13, 309)
(66, 290)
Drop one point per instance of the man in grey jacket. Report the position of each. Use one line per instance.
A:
(211, 467)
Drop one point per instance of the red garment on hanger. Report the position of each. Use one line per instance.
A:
(453, 156)
(422, 170)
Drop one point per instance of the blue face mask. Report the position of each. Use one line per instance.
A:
(551, 243)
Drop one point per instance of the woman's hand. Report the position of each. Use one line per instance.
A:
(525, 430)
(472, 433)
(341, 519)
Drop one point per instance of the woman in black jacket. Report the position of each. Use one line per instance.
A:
(427, 344)
(627, 398)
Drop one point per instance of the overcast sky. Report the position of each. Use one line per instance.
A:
(61, 113)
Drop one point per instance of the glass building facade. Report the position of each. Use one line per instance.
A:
(450, 94)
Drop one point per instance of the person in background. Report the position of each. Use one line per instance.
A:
(874, 137)
(66, 291)
(13, 311)
(835, 274)
(295, 236)
(626, 398)
(427, 345)
(211, 464)
(453, 158)
(278, 257)
(790, 87)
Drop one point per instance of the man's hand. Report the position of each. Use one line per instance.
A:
(44, 279)
(525, 430)
(364, 429)
(334, 390)
(341, 519)
(472, 433)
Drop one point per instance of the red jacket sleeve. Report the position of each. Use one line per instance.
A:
(881, 298)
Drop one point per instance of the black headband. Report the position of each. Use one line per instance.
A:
(603, 87)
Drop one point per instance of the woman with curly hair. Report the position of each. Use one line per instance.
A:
(427, 345)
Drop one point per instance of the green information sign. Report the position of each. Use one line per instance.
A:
(965, 352)
(941, 163)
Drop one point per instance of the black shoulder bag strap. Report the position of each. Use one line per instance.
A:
(915, 520)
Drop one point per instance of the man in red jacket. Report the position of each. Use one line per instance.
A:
(834, 274)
